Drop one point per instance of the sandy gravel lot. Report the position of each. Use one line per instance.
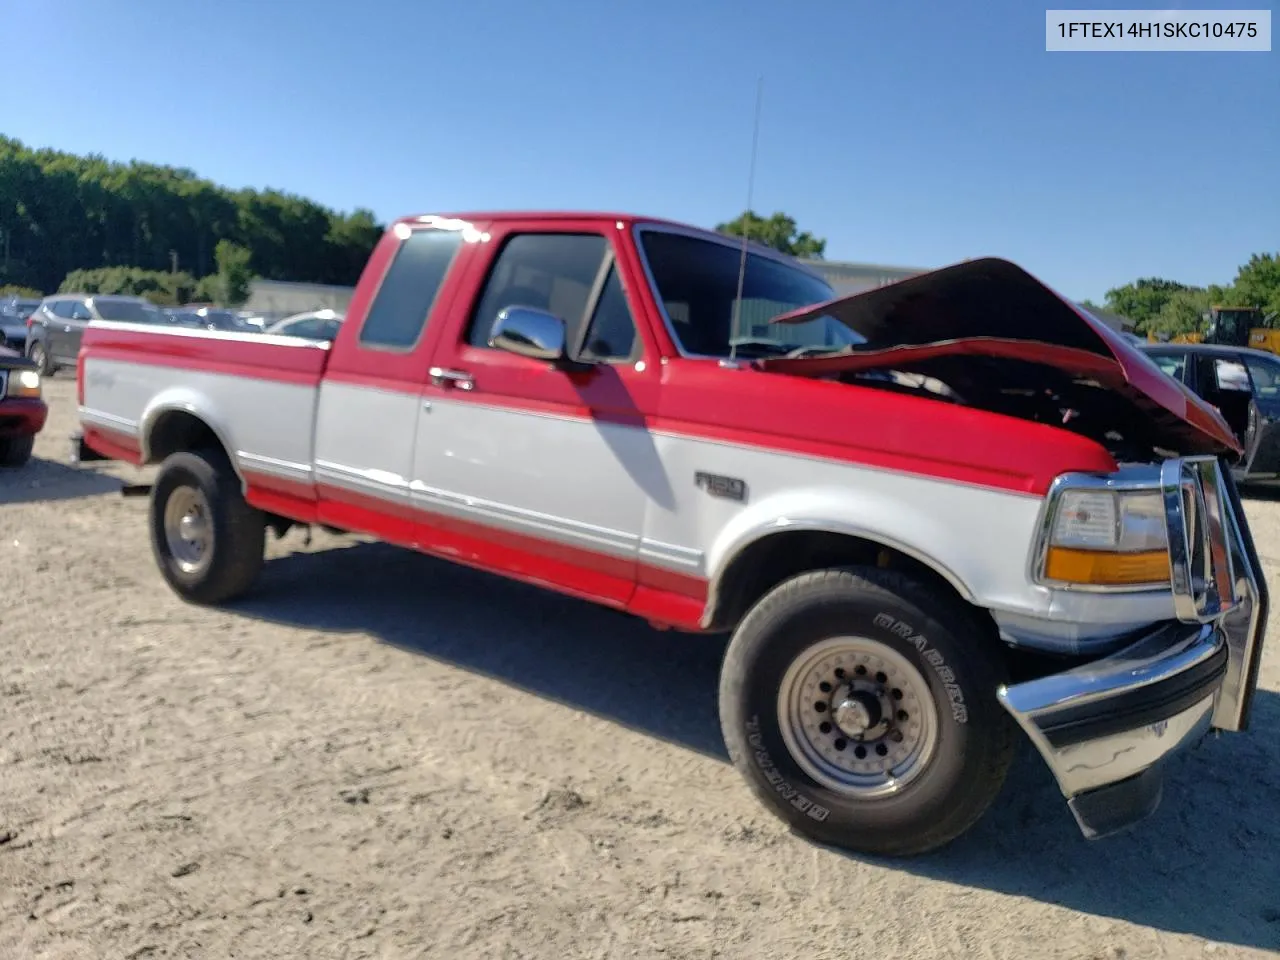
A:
(382, 755)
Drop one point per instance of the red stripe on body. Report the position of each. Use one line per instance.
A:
(663, 595)
(113, 444)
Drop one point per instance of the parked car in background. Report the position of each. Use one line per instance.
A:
(252, 320)
(57, 327)
(22, 408)
(1244, 384)
(14, 312)
(210, 318)
(313, 325)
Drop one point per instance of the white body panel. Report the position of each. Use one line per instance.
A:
(263, 423)
(619, 490)
(574, 481)
(364, 439)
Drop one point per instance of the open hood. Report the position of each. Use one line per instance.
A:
(987, 334)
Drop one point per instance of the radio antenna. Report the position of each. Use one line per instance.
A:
(746, 220)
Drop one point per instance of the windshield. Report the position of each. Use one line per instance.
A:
(696, 280)
(131, 311)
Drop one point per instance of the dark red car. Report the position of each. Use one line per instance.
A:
(22, 408)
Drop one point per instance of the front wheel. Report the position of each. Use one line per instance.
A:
(208, 542)
(16, 451)
(861, 708)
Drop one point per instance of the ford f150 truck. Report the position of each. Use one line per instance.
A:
(934, 516)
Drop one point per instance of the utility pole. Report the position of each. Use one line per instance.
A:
(173, 261)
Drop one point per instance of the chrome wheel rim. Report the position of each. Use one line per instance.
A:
(188, 529)
(858, 717)
(37, 355)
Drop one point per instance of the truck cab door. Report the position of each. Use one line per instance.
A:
(539, 469)
(370, 395)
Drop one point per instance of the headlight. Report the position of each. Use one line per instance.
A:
(23, 383)
(1107, 538)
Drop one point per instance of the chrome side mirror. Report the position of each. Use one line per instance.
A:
(530, 333)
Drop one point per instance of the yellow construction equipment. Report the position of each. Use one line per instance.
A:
(1236, 327)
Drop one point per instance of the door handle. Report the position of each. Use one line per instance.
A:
(458, 378)
(66, 329)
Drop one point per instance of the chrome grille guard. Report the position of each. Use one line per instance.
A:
(1216, 574)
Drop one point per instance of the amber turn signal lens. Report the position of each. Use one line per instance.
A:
(1105, 569)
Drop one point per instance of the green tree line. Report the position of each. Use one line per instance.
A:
(1163, 306)
(61, 213)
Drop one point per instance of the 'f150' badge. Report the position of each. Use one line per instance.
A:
(729, 488)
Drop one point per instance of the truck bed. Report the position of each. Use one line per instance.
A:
(257, 392)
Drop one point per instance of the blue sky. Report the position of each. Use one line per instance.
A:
(914, 134)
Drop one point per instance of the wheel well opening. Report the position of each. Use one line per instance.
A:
(769, 561)
(177, 431)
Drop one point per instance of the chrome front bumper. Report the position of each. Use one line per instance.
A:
(1104, 727)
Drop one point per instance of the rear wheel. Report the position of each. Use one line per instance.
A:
(16, 451)
(207, 541)
(861, 709)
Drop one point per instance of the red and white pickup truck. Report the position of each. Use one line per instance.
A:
(933, 516)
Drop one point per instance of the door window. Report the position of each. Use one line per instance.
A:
(555, 272)
(1230, 374)
(611, 335)
(1174, 364)
(1266, 376)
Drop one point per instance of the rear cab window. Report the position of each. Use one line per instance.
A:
(398, 314)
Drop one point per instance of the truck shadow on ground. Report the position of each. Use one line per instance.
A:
(46, 480)
(1204, 865)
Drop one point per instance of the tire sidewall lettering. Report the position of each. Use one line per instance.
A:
(933, 657)
(785, 790)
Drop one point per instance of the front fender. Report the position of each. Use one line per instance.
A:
(977, 539)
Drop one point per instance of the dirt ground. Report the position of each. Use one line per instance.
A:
(382, 755)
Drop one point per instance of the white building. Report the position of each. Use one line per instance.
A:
(281, 297)
(846, 277)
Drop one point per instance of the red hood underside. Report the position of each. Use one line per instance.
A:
(999, 339)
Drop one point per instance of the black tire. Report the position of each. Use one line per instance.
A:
(40, 354)
(975, 737)
(236, 546)
(16, 451)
